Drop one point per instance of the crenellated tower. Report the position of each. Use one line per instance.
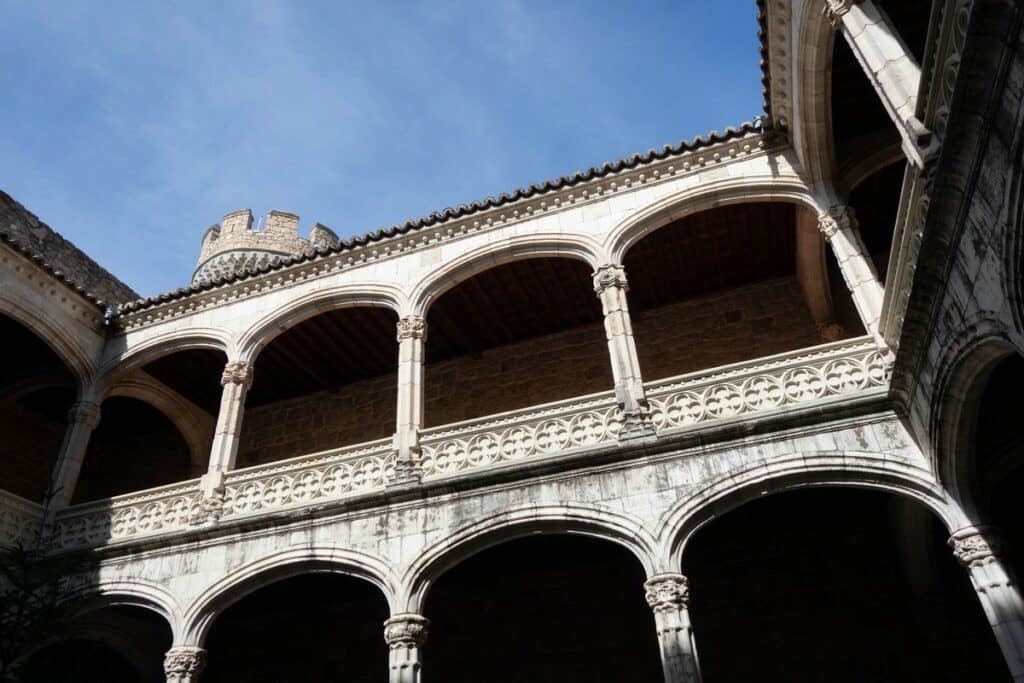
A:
(233, 246)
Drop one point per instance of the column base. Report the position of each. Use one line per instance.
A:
(637, 426)
(407, 474)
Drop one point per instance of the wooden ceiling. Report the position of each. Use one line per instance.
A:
(193, 373)
(711, 250)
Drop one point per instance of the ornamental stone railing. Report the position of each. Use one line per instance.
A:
(823, 374)
(20, 520)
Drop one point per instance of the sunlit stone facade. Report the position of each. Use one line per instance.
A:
(743, 408)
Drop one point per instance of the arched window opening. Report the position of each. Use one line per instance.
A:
(113, 645)
(875, 202)
(36, 392)
(568, 608)
(516, 335)
(327, 382)
(838, 585)
(999, 456)
(134, 447)
(721, 286)
(314, 627)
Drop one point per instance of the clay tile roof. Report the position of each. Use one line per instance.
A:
(460, 211)
(762, 37)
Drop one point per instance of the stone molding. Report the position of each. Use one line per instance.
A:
(85, 412)
(412, 327)
(406, 630)
(610, 276)
(665, 592)
(237, 372)
(184, 664)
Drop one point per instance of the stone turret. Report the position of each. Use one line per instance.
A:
(234, 247)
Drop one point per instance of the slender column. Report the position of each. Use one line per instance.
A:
(668, 595)
(412, 338)
(83, 417)
(405, 635)
(889, 65)
(611, 286)
(184, 664)
(236, 380)
(839, 225)
(979, 550)
(812, 274)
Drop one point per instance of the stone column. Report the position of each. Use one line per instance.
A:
(889, 66)
(412, 338)
(183, 664)
(839, 226)
(668, 595)
(236, 380)
(83, 417)
(978, 549)
(611, 287)
(405, 635)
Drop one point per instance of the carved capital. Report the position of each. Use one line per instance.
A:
(836, 218)
(406, 630)
(610, 275)
(184, 664)
(237, 372)
(666, 592)
(412, 327)
(84, 412)
(972, 548)
(834, 10)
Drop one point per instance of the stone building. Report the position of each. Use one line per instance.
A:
(741, 408)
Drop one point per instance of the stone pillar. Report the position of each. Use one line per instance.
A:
(839, 226)
(978, 549)
(412, 338)
(405, 635)
(83, 417)
(610, 285)
(889, 66)
(183, 664)
(668, 595)
(236, 380)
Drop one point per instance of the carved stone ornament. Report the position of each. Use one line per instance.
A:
(406, 630)
(412, 327)
(835, 9)
(237, 372)
(610, 275)
(836, 218)
(184, 664)
(84, 412)
(667, 592)
(973, 548)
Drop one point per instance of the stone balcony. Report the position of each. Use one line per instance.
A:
(514, 441)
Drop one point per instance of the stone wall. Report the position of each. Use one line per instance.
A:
(725, 327)
(21, 226)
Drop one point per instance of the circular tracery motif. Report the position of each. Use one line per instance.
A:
(552, 435)
(724, 400)
(517, 443)
(586, 429)
(763, 392)
(684, 409)
(803, 384)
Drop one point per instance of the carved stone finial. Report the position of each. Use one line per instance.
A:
(406, 630)
(972, 548)
(835, 218)
(237, 372)
(667, 592)
(412, 327)
(184, 664)
(610, 275)
(833, 10)
(84, 412)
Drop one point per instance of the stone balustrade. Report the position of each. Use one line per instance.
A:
(831, 372)
(19, 520)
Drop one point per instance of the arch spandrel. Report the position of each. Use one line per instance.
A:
(593, 521)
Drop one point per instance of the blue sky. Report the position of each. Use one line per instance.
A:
(130, 127)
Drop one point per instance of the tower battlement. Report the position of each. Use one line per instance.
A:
(232, 245)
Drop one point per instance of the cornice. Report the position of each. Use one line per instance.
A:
(524, 204)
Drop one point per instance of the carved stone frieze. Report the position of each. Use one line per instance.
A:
(237, 372)
(667, 592)
(412, 327)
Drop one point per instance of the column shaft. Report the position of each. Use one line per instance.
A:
(405, 635)
(978, 551)
(83, 417)
(412, 337)
(890, 67)
(611, 286)
(236, 380)
(668, 594)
